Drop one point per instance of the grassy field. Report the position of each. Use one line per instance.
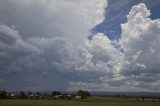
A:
(93, 101)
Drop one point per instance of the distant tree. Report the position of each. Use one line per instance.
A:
(38, 95)
(54, 93)
(123, 95)
(87, 94)
(58, 93)
(137, 98)
(30, 93)
(3, 94)
(22, 95)
(46, 94)
(142, 98)
(83, 94)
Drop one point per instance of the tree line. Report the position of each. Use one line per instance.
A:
(38, 95)
(152, 98)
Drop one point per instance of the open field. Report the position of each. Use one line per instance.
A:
(93, 101)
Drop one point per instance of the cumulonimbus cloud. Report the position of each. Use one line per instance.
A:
(48, 42)
(45, 37)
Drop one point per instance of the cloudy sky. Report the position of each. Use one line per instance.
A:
(95, 45)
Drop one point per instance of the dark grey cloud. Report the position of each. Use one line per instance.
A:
(39, 41)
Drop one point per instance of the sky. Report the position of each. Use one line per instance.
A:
(95, 45)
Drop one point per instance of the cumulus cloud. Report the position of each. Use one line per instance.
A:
(135, 65)
(140, 41)
(100, 55)
(46, 46)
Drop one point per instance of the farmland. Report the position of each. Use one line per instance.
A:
(91, 101)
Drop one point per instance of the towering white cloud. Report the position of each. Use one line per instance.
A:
(140, 41)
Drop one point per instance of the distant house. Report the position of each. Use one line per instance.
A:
(31, 95)
(12, 94)
(58, 96)
(77, 97)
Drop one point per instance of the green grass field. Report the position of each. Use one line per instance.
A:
(93, 101)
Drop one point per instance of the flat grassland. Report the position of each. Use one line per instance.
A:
(92, 101)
